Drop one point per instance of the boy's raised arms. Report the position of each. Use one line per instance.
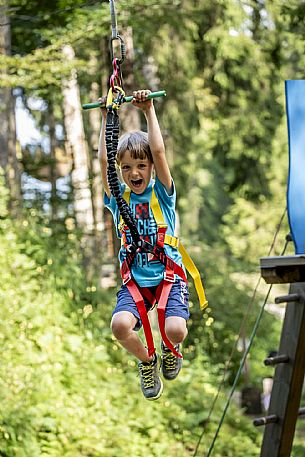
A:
(102, 153)
(155, 138)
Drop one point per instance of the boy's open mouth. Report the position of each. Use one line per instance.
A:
(136, 182)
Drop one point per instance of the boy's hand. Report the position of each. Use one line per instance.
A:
(103, 108)
(140, 99)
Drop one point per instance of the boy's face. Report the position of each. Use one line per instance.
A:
(136, 173)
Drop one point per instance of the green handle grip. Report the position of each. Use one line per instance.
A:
(129, 98)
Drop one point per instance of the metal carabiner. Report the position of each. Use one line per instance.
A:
(122, 48)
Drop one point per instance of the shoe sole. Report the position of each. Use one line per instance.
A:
(159, 393)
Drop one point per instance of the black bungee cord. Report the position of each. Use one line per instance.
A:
(112, 139)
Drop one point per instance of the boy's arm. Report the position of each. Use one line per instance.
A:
(155, 138)
(102, 154)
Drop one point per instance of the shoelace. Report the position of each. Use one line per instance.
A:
(169, 361)
(147, 375)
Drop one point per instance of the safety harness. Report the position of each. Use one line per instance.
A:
(171, 270)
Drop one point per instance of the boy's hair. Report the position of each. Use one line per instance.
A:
(137, 144)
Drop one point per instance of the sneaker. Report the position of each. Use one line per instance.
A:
(171, 365)
(151, 384)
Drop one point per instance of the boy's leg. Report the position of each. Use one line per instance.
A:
(175, 329)
(122, 325)
(177, 314)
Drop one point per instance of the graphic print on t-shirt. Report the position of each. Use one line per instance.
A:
(142, 211)
(147, 229)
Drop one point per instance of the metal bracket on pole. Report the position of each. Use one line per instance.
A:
(277, 359)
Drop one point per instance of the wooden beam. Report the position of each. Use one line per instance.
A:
(283, 269)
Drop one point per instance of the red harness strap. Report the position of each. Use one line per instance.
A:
(162, 292)
(134, 291)
(138, 298)
(161, 298)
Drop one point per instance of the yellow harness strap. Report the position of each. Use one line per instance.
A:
(175, 243)
(193, 271)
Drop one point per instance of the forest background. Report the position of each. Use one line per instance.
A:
(66, 388)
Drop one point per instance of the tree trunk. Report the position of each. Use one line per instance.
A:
(97, 188)
(96, 183)
(8, 157)
(53, 144)
(78, 146)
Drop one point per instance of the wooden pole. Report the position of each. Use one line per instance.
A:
(290, 370)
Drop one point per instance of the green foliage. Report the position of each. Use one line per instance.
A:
(65, 387)
(43, 67)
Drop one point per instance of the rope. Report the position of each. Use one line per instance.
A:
(242, 363)
(241, 331)
(112, 137)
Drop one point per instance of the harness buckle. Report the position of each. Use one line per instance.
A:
(169, 276)
(126, 278)
(161, 234)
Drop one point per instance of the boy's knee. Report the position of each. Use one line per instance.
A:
(121, 326)
(176, 329)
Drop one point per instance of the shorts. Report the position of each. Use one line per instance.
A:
(177, 304)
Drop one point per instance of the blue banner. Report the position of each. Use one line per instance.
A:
(295, 108)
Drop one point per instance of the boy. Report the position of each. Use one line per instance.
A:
(138, 155)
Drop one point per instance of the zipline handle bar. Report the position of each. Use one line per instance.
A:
(129, 98)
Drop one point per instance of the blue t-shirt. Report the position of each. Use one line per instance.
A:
(148, 272)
